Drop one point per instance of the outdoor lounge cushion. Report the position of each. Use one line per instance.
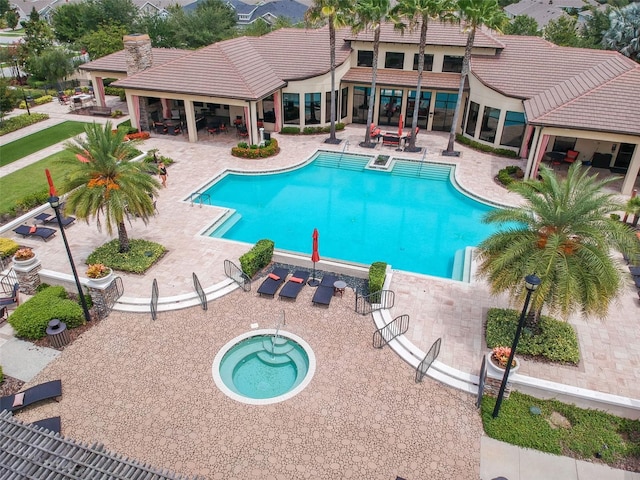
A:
(42, 232)
(31, 395)
(635, 270)
(269, 285)
(324, 292)
(295, 284)
(52, 424)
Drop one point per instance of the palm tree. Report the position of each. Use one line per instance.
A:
(564, 234)
(419, 12)
(335, 12)
(473, 14)
(624, 31)
(103, 181)
(369, 14)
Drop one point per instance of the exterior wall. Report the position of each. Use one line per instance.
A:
(487, 97)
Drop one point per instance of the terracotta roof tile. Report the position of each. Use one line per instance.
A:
(438, 33)
(117, 63)
(441, 81)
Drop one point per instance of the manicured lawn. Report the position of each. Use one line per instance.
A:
(37, 141)
(29, 180)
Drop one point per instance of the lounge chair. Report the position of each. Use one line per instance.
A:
(11, 299)
(293, 287)
(52, 424)
(46, 218)
(635, 270)
(31, 395)
(324, 292)
(273, 281)
(42, 232)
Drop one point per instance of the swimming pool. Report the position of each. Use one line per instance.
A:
(410, 216)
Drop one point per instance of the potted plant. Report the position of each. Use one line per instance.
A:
(497, 361)
(99, 273)
(24, 256)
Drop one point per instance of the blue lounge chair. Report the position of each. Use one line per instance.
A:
(46, 218)
(31, 395)
(324, 292)
(52, 424)
(42, 232)
(293, 287)
(273, 281)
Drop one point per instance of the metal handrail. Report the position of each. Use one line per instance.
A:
(8, 281)
(154, 299)
(429, 358)
(398, 326)
(200, 197)
(199, 291)
(366, 304)
(483, 378)
(236, 274)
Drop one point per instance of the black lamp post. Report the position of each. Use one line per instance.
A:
(54, 201)
(531, 283)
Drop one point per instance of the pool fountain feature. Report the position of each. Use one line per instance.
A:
(264, 366)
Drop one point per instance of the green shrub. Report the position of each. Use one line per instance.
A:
(42, 286)
(290, 130)
(38, 101)
(127, 123)
(257, 258)
(8, 247)
(140, 257)
(115, 91)
(30, 319)
(33, 200)
(1, 375)
(614, 216)
(556, 340)
(20, 121)
(377, 273)
(254, 151)
(503, 152)
(507, 174)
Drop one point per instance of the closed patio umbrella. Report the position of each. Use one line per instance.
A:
(315, 257)
(400, 125)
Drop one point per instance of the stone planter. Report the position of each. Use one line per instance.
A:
(496, 371)
(25, 263)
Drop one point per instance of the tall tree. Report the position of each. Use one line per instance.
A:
(623, 34)
(5, 6)
(210, 22)
(108, 184)
(417, 13)
(594, 28)
(563, 233)
(563, 32)
(103, 41)
(369, 15)
(473, 14)
(70, 21)
(336, 14)
(38, 35)
(523, 25)
(51, 66)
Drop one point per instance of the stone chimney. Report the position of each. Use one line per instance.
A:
(138, 53)
(139, 56)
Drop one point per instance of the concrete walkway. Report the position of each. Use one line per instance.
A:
(438, 307)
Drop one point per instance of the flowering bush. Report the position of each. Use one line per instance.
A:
(243, 150)
(24, 254)
(501, 355)
(98, 270)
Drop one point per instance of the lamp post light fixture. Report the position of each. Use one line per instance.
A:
(531, 282)
(54, 201)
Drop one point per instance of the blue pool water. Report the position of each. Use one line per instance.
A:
(256, 368)
(411, 217)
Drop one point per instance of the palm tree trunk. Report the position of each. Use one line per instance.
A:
(463, 77)
(416, 103)
(332, 45)
(123, 238)
(372, 94)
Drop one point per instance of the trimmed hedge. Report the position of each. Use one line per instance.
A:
(257, 258)
(30, 319)
(503, 152)
(377, 273)
(243, 150)
(32, 200)
(8, 247)
(38, 101)
(310, 130)
(505, 176)
(115, 91)
(556, 341)
(20, 121)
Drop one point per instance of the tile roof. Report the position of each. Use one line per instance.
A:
(438, 33)
(245, 67)
(405, 78)
(565, 86)
(116, 62)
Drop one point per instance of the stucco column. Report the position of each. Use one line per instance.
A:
(190, 113)
(632, 172)
(524, 148)
(531, 159)
(98, 87)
